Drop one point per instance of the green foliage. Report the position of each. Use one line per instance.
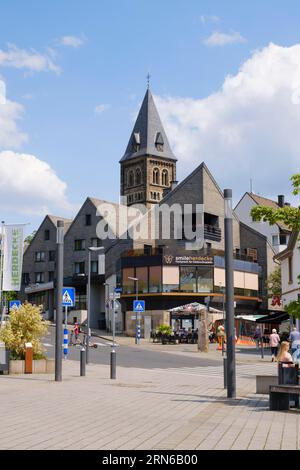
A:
(29, 238)
(10, 295)
(165, 330)
(290, 216)
(274, 279)
(293, 309)
(25, 325)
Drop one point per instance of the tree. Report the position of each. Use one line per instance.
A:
(290, 216)
(25, 325)
(274, 283)
(29, 238)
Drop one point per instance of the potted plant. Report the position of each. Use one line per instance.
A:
(25, 325)
(166, 332)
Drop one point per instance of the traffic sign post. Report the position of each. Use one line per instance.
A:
(68, 300)
(138, 307)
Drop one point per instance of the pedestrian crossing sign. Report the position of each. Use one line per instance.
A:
(14, 304)
(68, 297)
(138, 305)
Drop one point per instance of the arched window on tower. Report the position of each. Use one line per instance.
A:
(165, 178)
(138, 176)
(130, 178)
(159, 142)
(156, 176)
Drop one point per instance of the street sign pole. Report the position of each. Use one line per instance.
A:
(113, 354)
(138, 320)
(59, 287)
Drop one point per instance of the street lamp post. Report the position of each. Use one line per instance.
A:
(59, 288)
(91, 250)
(231, 375)
(138, 315)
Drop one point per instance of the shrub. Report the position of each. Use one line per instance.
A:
(165, 330)
(25, 325)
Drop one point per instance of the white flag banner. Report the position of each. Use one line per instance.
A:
(13, 257)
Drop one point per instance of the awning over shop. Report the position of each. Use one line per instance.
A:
(254, 318)
(193, 307)
(274, 317)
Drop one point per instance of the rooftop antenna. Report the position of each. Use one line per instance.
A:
(148, 80)
(251, 186)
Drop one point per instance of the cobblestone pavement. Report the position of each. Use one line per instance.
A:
(172, 409)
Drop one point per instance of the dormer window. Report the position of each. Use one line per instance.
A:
(136, 142)
(159, 142)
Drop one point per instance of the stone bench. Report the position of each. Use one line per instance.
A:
(263, 383)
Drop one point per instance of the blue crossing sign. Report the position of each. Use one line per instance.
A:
(138, 305)
(14, 304)
(68, 297)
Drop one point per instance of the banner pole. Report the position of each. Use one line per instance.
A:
(1, 267)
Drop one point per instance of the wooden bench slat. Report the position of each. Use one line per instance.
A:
(294, 389)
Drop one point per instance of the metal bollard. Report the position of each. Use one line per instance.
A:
(113, 363)
(82, 362)
(225, 371)
(262, 348)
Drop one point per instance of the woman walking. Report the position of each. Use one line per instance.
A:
(274, 342)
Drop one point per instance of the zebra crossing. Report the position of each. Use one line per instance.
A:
(242, 370)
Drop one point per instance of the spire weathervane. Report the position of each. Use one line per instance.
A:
(148, 80)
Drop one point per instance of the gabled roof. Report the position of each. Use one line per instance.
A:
(148, 131)
(290, 248)
(54, 219)
(264, 201)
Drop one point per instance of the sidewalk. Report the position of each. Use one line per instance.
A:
(142, 409)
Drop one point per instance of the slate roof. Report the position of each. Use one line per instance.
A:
(147, 131)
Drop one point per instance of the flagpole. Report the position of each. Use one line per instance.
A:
(1, 267)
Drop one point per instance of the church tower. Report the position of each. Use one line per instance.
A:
(148, 166)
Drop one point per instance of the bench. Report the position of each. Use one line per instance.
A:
(280, 396)
(263, 383)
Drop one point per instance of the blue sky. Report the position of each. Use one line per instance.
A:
(120, 42)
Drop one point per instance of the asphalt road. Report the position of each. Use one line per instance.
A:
(130, 356)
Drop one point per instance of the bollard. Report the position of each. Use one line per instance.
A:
(113, 363)
(225, 371)
(28, 358)
(65, 345)
(262, 348)
(82, 362)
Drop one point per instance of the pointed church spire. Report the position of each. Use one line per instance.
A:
(148, 136)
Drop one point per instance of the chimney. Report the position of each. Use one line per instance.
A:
(173, 185)
(281, 200)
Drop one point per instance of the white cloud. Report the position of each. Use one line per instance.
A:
(30, 186)
(101, 108)
(10, 113)
(28, 59)
(209, 19)
(248, 128)
(73, 41)
(223, 39)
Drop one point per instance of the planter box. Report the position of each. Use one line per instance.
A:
(41, 366)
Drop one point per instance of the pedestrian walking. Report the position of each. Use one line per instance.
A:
(76, 332)
(257, 336)
(294, 339)
(274, 342)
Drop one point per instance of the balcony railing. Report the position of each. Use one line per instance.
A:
(212, 233)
